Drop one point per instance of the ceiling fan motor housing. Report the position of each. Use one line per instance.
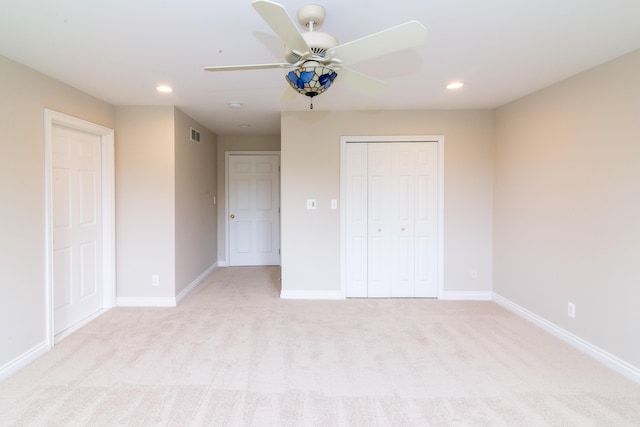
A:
(311, 13)
(319, 43)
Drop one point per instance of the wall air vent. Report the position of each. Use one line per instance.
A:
(195, 135)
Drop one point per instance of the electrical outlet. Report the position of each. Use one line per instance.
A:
(474, 273)
(571, 310)
(155, 280)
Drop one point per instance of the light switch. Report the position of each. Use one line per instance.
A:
(311, 204)
(334, 204)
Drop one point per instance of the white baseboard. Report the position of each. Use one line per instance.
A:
(164, 301)
(195, 283)
(311, 295)
(145, 302)
(325, 295)
(223, 264)
(61, 335)
(604, 357)
(465, 296)
(23, 360)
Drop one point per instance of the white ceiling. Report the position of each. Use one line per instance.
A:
(120, 50)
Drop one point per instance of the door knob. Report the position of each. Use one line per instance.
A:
(232, 216)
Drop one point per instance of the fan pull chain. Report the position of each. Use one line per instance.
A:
(311, 104)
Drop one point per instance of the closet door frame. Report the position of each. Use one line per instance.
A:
(344, 140)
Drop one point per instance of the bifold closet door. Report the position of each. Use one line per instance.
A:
(391, 228)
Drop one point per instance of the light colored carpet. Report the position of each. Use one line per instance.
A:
(234, 354)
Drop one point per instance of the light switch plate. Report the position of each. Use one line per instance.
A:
(311, 204)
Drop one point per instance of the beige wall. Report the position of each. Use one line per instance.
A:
(25, 94)
(145, 201)
(165, 217)
(567, 205)
(235, 143)
(196, 218)
(311, 170)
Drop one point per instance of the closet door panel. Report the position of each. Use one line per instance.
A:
(403, 204)
(380, 214)
(426, 221)
(357, 245)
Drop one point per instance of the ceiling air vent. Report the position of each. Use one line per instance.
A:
(195, 135)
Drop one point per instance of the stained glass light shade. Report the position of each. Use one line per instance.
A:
(311, 79)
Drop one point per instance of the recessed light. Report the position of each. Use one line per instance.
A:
(235, 105)
(455, 85)
(164, 88)
(244, 126)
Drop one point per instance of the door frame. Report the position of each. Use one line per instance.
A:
(344, 140)
(51, 119)
(227, 225)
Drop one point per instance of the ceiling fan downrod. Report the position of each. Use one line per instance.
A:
(310, 26)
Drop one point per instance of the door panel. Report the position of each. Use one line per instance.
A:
(88, 181)
(88, 270)
(264, 202)
(61, 274)
(254, 210)
(264, 237)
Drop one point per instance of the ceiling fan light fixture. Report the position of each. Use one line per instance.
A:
(311, 79)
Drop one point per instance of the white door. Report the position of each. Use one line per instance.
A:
(76, 226)
(391, 219)
(254, 210)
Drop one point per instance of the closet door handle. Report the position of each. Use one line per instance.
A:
(232, 216)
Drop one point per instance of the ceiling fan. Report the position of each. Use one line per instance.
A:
(316, 57)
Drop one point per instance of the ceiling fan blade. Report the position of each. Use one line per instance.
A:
(403, 36)
(247, 67)
(360, 82)
(276, 16)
